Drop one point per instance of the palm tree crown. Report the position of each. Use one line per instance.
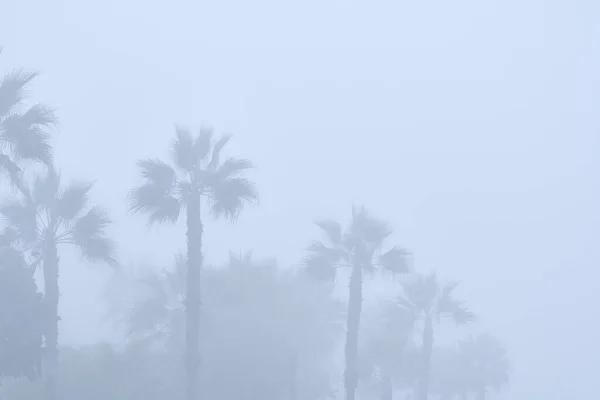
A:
(426, 298)
(45, 213)
(362, 243)
(23, 132)
(197, 171)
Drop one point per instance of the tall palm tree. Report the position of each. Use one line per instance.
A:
(359, 248)
(23, 131)
(197, 172)
(43, 216)
(429, 301)
(486, 362)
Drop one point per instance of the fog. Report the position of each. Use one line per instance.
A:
(470, 127)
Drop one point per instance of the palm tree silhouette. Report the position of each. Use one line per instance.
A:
(197, 172)
(43, 216)
(358, 248)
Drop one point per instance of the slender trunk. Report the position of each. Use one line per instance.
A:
(352, 329)
(192, 296)
(51, 295)
(294, 376)
(423, 388)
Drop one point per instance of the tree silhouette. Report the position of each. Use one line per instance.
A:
(268, 331)
(21, 317)
(23, 131)
(429, 301)
(39, 219)
(389, 354)
(197, 172)
(358, 248)
(486, 362)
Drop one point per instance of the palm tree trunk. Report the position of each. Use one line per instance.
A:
(423, 388)
(192, 308)
(352, 330)
(51, 295)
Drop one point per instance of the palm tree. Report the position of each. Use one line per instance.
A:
(428, 300)
(358, 248)
(23, 132)
(197, 172)
(39, 219)
(268, 332)
(486, 363)
(389, 353)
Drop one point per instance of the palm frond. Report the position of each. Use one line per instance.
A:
(215, 158)
(25, 134)
(10, 169)
(20, 216)
(332, 229)
(395, 260)
(182, 149)
(421, 290)
(151, 200)
(158, 173)
(232, 167)
(320, 267)
(12, 89)
(73, 200)
(203, 144)
(89, 235)
(46, 188)
(449, 306)
(92, 224)
(155, 197)
(367, 229)
(98, 249)
(229, 197)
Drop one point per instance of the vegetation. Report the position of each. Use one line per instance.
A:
(264, 331)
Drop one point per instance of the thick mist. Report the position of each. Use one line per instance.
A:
(468, 129)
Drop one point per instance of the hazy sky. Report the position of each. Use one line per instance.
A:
(472, 126)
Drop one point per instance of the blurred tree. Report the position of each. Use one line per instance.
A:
(100, 372)
(21, 317)
(197, 172)
(427, 300)
(486, 362)
(23, 131)
(359, 248)
(268, 334)
(42, 217)
(389, 356)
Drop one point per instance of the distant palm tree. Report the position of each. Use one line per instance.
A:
(197, 172)
(39, 219)
(23, 131)
(428, 301)
(389, 353)
(486, 363)
(358, 248)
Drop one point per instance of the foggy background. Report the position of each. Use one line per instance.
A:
(471, 126)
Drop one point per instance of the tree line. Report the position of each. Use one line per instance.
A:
(249, 329)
